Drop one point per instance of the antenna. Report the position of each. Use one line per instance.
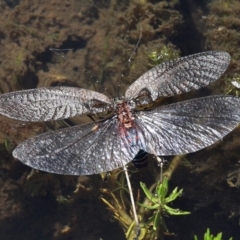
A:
(129, 60)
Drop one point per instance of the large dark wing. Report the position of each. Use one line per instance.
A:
(83, 149)
(190, 125)
(180, 75)
(53, 103)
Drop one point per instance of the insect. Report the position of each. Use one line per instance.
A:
(102, 146)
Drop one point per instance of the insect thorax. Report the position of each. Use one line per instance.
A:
(124, 114)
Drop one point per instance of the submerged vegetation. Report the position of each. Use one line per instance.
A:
(161, 55)
(209, 236)
(152, 209)
(158, 204)
(222, 32)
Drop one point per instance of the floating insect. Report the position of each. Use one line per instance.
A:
(102, 146)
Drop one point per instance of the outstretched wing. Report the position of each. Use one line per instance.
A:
(190, 125)
(83, 149)
(180, 75)
(52, 103)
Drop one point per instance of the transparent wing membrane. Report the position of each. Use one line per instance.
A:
(180, 75)
(173, 129)
(54, 103)
(189, 126)
(78, 150)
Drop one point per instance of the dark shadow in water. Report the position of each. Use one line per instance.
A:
(12, 3)
(189, 39)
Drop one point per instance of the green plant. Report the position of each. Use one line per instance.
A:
(6, 146)
(232, 85)
(161, 55)
(151, 211)
(209, 236)
(158, 202)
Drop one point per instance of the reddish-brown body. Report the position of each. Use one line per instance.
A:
(125, 117)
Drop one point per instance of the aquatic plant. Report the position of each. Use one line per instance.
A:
(233, 85)
(209, 236)
(163, 54)
(151, 213)
(158, 203)
(7, 145)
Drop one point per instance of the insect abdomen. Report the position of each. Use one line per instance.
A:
(140, 160)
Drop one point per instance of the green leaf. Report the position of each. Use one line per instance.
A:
(148, 194)
(150, 220)
(156, 222)
(173, 211)
(209, 236)
(162, 189)
(219, 236)
(174, 194)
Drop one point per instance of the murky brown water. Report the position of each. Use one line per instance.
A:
(102, 35)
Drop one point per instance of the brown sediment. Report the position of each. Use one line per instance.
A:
(222, 32)
(102, 35)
